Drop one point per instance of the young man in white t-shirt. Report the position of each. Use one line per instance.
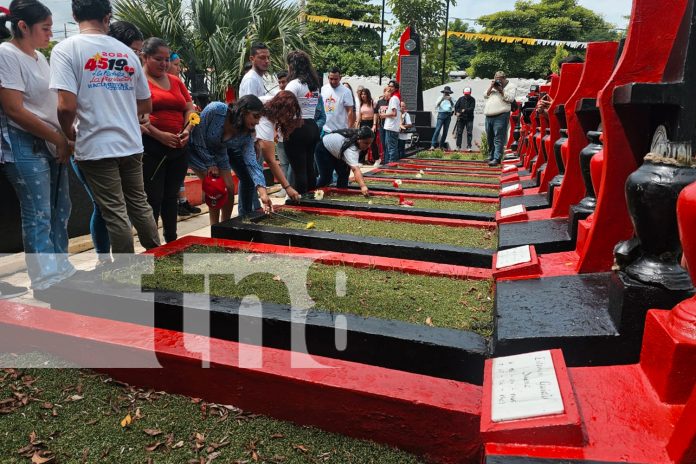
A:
(338, 103)
(253, 83)
(102, 87)
(392, 123)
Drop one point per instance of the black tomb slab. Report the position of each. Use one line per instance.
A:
(531, 202)
(596, 319)
(548, 236)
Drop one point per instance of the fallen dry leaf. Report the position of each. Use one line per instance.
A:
(47, 405)
(178, 444)
(75, 398)
(429, 321)
(42, 457)
(153, 446)
(153, 432)
(300, 448)
(126, 421)
(277, 435)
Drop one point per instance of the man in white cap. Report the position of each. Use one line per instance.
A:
(464, 110)
(499, 98)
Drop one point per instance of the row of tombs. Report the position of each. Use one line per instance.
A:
(536, 312)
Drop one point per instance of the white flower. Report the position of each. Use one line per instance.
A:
(398, 181)
(419, 175)
(421, 172)
(319, 195)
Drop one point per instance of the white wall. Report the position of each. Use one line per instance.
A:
(430, 96)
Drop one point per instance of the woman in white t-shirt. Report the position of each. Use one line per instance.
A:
(303, 82)
(35, 163)
(339, 151)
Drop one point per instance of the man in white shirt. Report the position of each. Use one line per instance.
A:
(392, 122)
(101, 85)
(338, 103)
(498, 100)
(253, 83)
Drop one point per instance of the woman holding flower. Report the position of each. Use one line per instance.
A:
(165, 162)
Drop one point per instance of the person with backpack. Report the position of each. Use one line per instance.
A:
(339, 151)
(445, 108)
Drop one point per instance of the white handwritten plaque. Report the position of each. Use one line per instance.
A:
(513, 257)
(525, 386)
(511, 188)
(511, 211)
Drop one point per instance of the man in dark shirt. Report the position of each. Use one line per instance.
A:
(464, 110)
(381, 107)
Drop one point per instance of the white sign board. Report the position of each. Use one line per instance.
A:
(525, 386)
(511, 211)
(511, 188)
(513, 257)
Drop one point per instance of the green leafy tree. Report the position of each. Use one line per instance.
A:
(214, 37)
(549, 19)
(428, 17)
(47, 51)
(561, 53)
(354, 50)
(460, 50)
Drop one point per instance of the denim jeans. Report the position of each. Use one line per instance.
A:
(284, 163)
(392, 153)
(327, 164)
(41, 185)
(97, 225)
(247, 199)
(402, 148)
(442, 123)
(497, 133)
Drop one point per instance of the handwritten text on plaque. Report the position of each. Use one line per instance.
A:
(525, 386)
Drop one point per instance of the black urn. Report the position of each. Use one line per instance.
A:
(589, 202)
(651, 194)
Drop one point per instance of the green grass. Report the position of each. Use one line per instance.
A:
(457, 236)
(384, 294)
(441, 154)
(467, 206)
(430, 187)
(440, 176)
(75, 416)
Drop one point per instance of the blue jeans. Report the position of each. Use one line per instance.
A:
(402, 148)
(327, 164)
(247, 199)
(442, 124)
(97, 225)
(284, 163)
(41, 185)
(392, 153)
(497, 133)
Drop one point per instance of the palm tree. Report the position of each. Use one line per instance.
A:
(213, 37)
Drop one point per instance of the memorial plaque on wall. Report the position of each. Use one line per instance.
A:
(409, 80)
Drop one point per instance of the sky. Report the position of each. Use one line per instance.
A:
(612, 10)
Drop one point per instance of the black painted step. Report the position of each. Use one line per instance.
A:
(531, 202)
(548, 236)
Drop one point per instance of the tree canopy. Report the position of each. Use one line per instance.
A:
(214, 37)
(354, 50)
(547, 19)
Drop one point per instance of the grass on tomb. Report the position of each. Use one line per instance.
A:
(385, 294)
(74, 416)
(472, 237)
(456, 155)
(440, 176)
(434, 187)
(467, 206)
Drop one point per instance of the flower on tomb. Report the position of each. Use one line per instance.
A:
(319, 195)
(310, 225)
